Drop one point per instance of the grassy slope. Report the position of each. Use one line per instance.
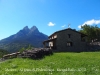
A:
(78, 64)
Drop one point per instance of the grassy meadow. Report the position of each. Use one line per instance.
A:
(85, 63)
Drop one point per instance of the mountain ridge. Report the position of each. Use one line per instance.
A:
(23, 38)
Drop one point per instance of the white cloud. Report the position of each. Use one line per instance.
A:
(63, 26)
(79, 26)
(51, 24)
(90, 22)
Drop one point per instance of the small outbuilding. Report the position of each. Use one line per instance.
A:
(67, 40)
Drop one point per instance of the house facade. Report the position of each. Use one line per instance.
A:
(67, 40)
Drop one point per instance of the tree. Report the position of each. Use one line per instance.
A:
(22, 49)
(29, 47)
(92, 32)
(3, 52)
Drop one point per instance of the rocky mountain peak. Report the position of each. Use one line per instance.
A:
(34, 29)
(26, 28)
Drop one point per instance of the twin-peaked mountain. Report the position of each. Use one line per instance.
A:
(23, 38)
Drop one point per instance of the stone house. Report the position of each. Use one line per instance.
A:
(67, 40)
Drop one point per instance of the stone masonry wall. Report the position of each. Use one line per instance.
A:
(75, 38)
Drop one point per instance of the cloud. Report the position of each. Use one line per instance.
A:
(90, 22)
(79, 26)
(51, 24)
(63, 26)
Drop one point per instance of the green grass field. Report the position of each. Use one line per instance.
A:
(85, 63)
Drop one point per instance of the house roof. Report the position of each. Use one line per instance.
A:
(65, 30)
(49, 40)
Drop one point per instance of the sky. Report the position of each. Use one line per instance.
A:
(47, 15)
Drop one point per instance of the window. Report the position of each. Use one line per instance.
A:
(51, 44)
(69, 35)
(55, 36)
(69, 43)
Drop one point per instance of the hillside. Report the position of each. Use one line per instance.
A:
(23, 38)
(57, 64)
(3, 52)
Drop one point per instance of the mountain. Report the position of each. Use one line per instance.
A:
(23, 38)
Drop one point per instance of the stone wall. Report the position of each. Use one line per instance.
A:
(75, 38)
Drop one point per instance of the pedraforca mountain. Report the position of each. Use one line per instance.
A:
(23, 38)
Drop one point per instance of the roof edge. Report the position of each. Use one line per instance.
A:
(67, 29)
